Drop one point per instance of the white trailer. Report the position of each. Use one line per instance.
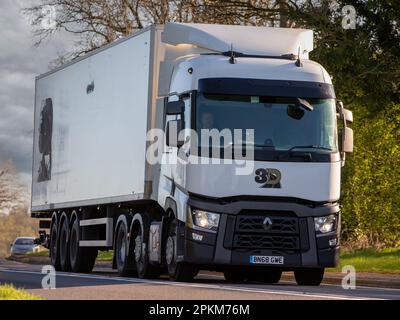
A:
(94, 189)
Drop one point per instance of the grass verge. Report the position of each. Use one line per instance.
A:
(371, 260)
(44, 253)
(102, 255)
(9, 292)
(105, 255)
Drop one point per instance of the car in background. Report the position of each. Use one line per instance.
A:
(24, 245)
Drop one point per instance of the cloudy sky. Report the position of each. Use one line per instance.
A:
(20, 62)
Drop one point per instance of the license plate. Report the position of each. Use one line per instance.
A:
(266, 259)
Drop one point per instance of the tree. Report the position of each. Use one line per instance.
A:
(15, 225)
(99, 22)
(13, 194)
(14, 218)
(371, 193)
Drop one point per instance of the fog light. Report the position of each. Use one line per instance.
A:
(197, 237)
(332, 242)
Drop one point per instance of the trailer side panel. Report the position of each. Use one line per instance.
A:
(90, 128)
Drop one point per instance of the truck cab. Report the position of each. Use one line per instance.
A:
(282, 211)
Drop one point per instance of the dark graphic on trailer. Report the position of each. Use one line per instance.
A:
(270, 178)
(45, 134)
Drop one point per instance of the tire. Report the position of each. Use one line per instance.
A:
(81, 259)
(234, 276)
(54, 247)
(64, 246)
(309, 276)
(177, 271)
(124, 259)
(265, 276)
(139, 241)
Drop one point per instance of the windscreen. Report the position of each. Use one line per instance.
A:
(279, 123)
(24, 242)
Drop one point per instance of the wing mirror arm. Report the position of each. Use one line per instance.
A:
(174, 127)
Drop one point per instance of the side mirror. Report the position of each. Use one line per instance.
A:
(345, 133)
(348, 115)
(174, 127)
(347, 140)
(174, 107)
(11, 244)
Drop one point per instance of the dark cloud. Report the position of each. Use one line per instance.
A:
(20, 62)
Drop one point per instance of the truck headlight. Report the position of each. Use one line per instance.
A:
(205, 219)
(325, 224)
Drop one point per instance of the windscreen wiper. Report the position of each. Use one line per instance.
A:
(250, 144)
(304, 154)
(313, 146)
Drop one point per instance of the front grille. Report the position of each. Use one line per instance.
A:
(279, 225)
(282, 234)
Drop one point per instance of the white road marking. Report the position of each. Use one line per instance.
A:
(194, 285)
(322, 284)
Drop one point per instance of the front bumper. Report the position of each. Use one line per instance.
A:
(21, 251)
(300, 246)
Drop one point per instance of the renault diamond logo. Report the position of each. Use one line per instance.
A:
(267, 223)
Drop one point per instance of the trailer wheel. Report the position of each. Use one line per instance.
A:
(177, 271)
(82, 259)
(54, 246)
(266, 276)
(309, 276)
(139, 241)
(234, 275)
(64, 246)
(123, 257)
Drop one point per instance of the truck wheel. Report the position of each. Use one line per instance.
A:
(266, 276)
(309, 276)
(234, 276)
(54, 247)
(139, 241)
(64, 246)
(82, 259)
(177, 271)
(123, 257)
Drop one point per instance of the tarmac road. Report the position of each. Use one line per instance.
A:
(105, 283)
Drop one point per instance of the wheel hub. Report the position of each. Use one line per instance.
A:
(122, 250)
(169, 250)
(53, 244)
(138, 248)
(73, 247)
(63, 243)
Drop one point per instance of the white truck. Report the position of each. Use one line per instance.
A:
(96, 186)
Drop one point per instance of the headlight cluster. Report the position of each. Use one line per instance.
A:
(205, 219)
(325, 224)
